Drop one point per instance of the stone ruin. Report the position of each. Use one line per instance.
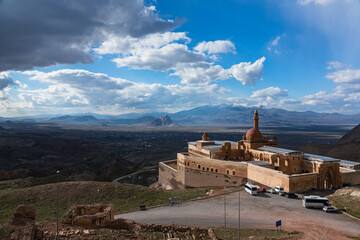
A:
(96, 222)
(89, 215)
(24, 220)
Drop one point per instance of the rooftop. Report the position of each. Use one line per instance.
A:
(280, 150)
(320, 158)
(259, 163)
(217, 143)
(349, 163)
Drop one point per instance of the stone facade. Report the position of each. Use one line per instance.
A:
(256, 159)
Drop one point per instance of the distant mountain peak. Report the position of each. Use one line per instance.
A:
(162, 121)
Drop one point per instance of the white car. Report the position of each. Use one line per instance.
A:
(272, 191)
(279, 189)
(330, 209)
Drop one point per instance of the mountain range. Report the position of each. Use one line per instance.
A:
(210, 115)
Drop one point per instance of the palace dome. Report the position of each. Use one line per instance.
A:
(253, 133)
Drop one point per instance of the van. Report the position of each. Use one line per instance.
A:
(279, 189)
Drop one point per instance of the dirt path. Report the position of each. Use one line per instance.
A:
(255, 212)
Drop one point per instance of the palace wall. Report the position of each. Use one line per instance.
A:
(238, 169)
(169, 176)
(267, 176)
(273, 178)
(302, 182)
(350, 176)
(196, 178)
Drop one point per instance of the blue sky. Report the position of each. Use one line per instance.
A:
(115, 57)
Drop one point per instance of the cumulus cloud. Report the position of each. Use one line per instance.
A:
(219, 46)
(164, 52)
(247, 72)
(125, 45)
(344, 97)
(269, 95)
(161, 59)
(201, 73)
(345, 76)
(6, 80)
(75, 87)
(47, 32)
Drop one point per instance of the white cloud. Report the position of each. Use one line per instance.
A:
(160, 59)
(345, 76)
(274, 44)
(100, 92)
(335, 65)
(219, 46)
(317, 2)
(269, 96)
(124, 45)
(247, 72)
(79, 78)
(55, 95)
(163, 52)
(201, 73)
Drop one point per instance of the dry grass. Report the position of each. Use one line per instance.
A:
(125, 197)
(257, 234)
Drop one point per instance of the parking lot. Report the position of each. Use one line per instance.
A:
(255, 212)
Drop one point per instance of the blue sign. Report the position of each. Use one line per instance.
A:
(278, 223)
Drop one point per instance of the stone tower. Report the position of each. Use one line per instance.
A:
(205, 137)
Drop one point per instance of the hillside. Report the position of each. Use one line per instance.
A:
(124, 197)
(347, 148)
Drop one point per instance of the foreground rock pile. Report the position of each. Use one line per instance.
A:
(124, 229)
(24, 227)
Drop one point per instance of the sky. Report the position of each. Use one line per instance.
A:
(132, 56)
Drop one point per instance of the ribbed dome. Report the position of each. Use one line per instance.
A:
(253, 134)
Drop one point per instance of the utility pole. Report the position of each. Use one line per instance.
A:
(239, 216)
(57, 205)
(225, 207)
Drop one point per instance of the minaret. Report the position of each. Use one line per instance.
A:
(256, 119)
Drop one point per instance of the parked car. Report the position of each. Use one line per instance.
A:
(262, 189)
(290, 195)
(282, 193)
(330, 209)
(272, 191)
(279, 189)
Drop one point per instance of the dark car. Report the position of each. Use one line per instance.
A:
(282, 193)
(291, 195)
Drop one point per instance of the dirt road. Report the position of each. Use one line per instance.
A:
(255, 212)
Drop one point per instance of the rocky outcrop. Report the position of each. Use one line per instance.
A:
(23, 214)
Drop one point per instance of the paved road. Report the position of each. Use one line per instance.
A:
(255, 212)
(145, 169)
